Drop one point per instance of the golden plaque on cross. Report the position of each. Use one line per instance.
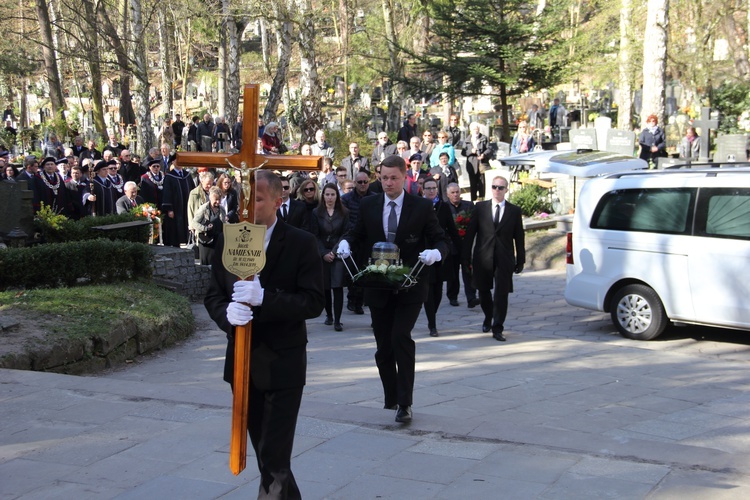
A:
(243, 253)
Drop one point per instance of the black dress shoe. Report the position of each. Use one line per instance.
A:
(328, 321)
(390, 407)
(403, 414)
(499, 337)
(350, 306)
(454, 302)
(473, 303)
(433, 332)
(486, 328)
(338, 327)
(359, 310)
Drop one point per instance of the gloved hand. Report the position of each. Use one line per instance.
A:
(344, 251)
(249, 292)
(519, 268)
(239, 314)
(430, 256)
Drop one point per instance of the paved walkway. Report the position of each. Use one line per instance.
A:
(565, 409)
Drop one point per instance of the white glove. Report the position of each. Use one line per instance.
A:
(239, 314)
(249, 292)
(344, 251)
(429, 257)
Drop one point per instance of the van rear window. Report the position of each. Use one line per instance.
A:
(646, 210)
(724, 213)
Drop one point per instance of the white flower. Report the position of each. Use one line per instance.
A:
(382, 268)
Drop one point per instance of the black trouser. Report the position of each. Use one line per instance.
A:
(431, 305)
(355, 296)
(272, 419)
(476, 179)
(338, 303)
(395, 355)
(453, 286)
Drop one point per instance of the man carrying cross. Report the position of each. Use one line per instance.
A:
(288, 291)
(266, 392)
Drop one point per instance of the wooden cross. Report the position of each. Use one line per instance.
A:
(706, 125)
(248, 161)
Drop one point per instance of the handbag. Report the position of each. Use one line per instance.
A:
(191, 241)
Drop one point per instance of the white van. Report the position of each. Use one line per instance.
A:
(651, 247)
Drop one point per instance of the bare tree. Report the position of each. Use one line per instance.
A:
(625, 96)
(655, 60)
(282, 27)
(165, 62)
(140, 73)
(50, 58)
(310, 115)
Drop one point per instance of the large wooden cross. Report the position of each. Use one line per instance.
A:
(247, 160)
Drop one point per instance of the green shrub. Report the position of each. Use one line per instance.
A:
(532, 199)
(63, 264)
(56, 228)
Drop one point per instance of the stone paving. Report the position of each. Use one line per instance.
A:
(565, 409)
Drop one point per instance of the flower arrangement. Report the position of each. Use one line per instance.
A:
(150, 212)
(385, 276)
(462, 220)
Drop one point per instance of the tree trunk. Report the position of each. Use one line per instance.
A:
(655, 60)
(309, 85)
(283, 32)
(50, 60)
(222, 76)
(394, 106)
(93, 62)
(734, 35)
(116, 41)
(165, 62)
(233, 73)
(265, 44)
(625, 96)
(344, 36)
(141, 87)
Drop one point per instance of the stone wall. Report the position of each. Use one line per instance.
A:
(176, 269)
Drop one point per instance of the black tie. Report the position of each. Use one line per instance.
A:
(283, 211)
(497, 215)
(392, 222)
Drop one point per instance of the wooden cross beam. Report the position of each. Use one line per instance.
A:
(248, 161)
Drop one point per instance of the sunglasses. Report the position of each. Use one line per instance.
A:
(284, 187)
(308, 190)
(499, 188)
(362, 182)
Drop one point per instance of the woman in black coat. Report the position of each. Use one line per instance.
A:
(653, 141)
(229, 199)
(440, 271)
(307, 193)
(329, 223)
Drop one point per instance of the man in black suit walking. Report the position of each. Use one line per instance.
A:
(291, 211)
(409, 222)
(288, 291)
(499, 251)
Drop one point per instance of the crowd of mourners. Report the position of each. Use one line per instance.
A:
(81, 181)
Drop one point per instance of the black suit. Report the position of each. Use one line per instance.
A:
(295, 214)
(394, 314)
(474, 166)
(124, 205)
(293, 292)
(497, 253)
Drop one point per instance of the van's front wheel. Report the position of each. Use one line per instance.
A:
(638, 313)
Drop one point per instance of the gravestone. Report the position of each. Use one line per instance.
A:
(637, 101)
(583, 138)
(16, 206)
(731, 148)
(671, 106)
(705, 125)
(602, 124)
(503, 149)
(620, 141)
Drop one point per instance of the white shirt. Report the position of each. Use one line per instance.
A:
(387, 210)
(502, 209)
(269, 232)
(284, 204)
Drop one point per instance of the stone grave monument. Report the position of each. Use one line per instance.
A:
(731, 148)
(583, 138)
(16, 208)
(620, 141)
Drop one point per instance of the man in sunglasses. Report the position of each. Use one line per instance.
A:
(498, 253)
(291, 211)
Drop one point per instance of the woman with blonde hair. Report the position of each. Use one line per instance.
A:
(309, 194)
